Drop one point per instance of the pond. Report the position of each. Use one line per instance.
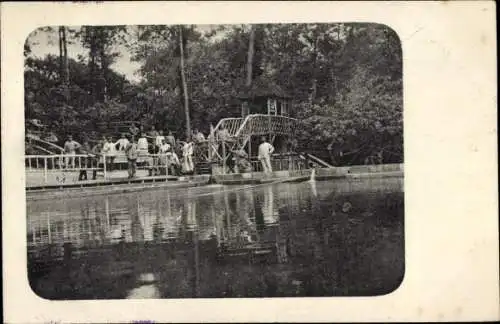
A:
(323, 238)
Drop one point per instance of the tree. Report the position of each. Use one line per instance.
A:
(184, 85)
(251, 42)
(101, 42)
(346, 81)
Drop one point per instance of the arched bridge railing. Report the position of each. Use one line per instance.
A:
(265, 124)
(232, 125)
(258, 124)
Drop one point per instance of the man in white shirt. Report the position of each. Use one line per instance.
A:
(187, 154)
(162, 151)
(109, 151)
(70, 147)
(160, 138)
(265, 151)
(122, 143)
(142, 145)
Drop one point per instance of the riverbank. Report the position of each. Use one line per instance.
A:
(117, 185)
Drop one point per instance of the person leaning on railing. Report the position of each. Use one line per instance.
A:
(173, 163)
(170, 139)
(242, 161)
(97, 157)
(87, 162)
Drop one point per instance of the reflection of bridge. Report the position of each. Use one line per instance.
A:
(185, 238)
(130, 237)
(234, 221)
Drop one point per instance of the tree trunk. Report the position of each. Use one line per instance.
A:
(314, 85)
(61, 55)
(104, 64)
(184, 86)
(65, 54)
(91, 34)
(250, 56)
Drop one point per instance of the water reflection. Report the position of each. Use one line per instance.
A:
(268, 240)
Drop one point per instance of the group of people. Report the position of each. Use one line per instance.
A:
(164, 149)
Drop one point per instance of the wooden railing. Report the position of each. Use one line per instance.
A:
(265, 124)
(56, 169)
(232, 125)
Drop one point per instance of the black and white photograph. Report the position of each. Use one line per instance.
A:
(214, 161)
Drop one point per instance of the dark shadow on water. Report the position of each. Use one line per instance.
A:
(341, 239)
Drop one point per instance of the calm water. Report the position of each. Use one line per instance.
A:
(328, 238)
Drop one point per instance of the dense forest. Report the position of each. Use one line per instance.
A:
(345, 81)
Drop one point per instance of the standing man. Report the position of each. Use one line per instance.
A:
(97, 152)
(132, 153)
(265, 151)
(70, 147)
(143, 144)
(109, 151)
(159, 139)
(187, 154)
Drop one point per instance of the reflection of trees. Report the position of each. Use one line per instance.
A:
(136, 229)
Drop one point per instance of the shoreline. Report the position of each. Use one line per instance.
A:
(117, 186)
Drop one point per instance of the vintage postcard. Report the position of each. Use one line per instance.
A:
(249, 162)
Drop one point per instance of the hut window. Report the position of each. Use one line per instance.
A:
(271, 106)
(284, 108)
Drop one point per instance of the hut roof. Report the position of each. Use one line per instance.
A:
(262, 87)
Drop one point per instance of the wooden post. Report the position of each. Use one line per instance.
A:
(104, 165)
(48, 228)
(223, 157)
(166, 169)
(250, 148)
(45, 161)
(228, 218)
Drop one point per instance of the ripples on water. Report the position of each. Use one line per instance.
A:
(327, 238)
